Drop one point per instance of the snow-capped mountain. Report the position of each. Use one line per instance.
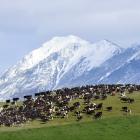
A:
(70, 61)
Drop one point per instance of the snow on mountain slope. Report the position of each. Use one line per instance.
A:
(128, 71)
(63, 61)
(123, 67)
(86, 59)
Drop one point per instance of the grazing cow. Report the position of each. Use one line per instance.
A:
(28, 97)
(97, 97)
(78, 115)
(64, 114)
(15, 99)
(44, 118)
(76, 104)
(37, 94)
(129, 111)
(126, 99)
(131, 89)
(99, 106)
(5, 106)
(124, 108)
(7, 101)
(131, 100)
(123, 94)
(103, 97)
(98, 115)
(109, 108)
(71, 108)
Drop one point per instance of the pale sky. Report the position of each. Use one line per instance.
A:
(26, 24)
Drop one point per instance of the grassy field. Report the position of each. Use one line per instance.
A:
(114, 125)
(126, 128)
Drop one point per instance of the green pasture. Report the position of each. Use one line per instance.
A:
(114, 125)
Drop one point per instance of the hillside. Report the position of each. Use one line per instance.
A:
(113, 123)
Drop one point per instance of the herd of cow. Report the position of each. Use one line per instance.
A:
(48, 105)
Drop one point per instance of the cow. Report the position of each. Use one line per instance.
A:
(109, 108)
(98, 115)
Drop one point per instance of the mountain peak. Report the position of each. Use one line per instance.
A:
(46, 66)
(64, 38)
(59, 42)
